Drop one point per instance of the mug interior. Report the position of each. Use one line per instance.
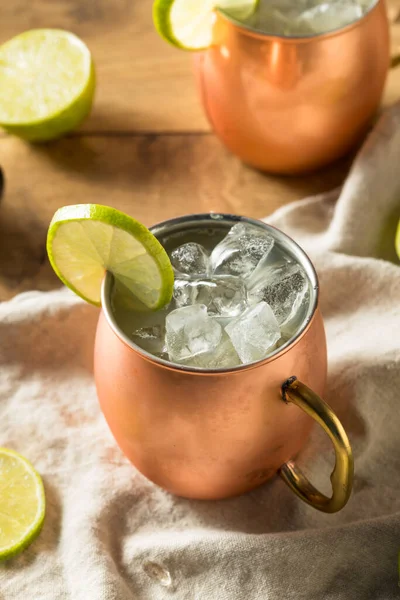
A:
(251, 30)
(173, 233)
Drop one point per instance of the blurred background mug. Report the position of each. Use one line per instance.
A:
(293, 104)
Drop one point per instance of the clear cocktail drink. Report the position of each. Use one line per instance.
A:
(238, 297)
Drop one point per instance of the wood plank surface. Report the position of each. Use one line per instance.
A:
(146, 148)
(150, 177)
(143, 83)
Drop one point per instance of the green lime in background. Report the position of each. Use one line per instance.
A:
(47, 84)
(188, 24)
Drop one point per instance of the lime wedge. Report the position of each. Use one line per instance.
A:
(86, 240)
(397, 241)
(188, 24)
(22, 503)
(47, 84)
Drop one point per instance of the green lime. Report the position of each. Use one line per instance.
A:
(188, 24)
(85, 240)
(22, 503)
(397, 240)
(47, 84)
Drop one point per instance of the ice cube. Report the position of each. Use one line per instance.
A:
(190, 332)
(254, 333)
(184, 293)
(327, 17)
(283, 286)
(224, 295)
(190, 259)
(151, 339)
(224, 356)
(241, 250)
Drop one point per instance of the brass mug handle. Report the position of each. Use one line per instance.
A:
(342, 474)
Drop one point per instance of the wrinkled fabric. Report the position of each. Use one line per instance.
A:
(110, 534)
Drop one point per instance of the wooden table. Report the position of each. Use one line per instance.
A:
(146, 149)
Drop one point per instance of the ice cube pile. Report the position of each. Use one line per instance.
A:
(232, 306)
(306, 17)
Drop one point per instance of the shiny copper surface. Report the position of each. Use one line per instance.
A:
(289, 105)
(206, 435)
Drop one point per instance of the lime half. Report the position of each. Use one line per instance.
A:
(397, 241)
(47, 84)
(86, 240)
(188, 24)
(22, 503)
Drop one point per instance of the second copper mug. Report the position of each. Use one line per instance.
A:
(293, 104)
(212, 434)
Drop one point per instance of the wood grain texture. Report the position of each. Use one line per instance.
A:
(146, 148)
(143, 83)
(150, 177)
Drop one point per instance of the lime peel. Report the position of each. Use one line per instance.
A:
(188, 24)
(86, 240)
(48, 82)
(23, 503)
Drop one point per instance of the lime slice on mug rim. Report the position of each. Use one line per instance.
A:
(188, 24)
(86, 240)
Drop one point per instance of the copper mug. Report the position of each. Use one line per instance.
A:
(293, 104)
(212, 434)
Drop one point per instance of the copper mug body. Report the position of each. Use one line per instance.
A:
(214, 434)
(289, 105)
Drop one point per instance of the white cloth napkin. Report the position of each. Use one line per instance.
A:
(110, 534)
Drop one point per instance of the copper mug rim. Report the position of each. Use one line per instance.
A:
(257, 33)
(206, 219)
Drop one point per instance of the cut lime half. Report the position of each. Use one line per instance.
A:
(47, 84)
(188, 24)
(397, 240)
(86, 240)
(22, 503)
